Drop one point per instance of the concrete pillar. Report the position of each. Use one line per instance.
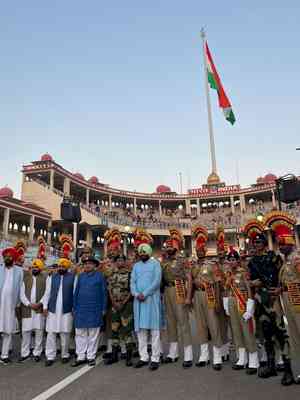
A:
(52, 179)
(274, 200)
(242, 203)
(297, 239)
(198, 208)
(125, 245)
(75, 234)
(6, 222)
(87, 197)
(188, 206)
(134, 206)
(31, 231)
(67, 186)
(49, 233)
(89, 237)
(232, 204)
(159, 208)
(241, 241)
(109, 202)
(193, 246)
(270, 240)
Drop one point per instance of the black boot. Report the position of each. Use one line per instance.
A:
(114, 356)
(129, 352)
(288, 377)
(270, 369)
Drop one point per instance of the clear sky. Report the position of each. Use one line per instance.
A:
(115, 89)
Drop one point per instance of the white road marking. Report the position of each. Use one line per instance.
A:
(66, 382)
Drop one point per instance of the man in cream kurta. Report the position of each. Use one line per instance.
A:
(10, 283)
(32, 299)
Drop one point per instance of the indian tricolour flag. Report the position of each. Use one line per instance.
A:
(215, 83)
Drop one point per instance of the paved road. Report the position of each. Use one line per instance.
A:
(28, 380)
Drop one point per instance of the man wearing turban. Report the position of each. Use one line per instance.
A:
(145, 288)
(10, 283)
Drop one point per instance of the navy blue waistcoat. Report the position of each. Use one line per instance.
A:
(67, 292)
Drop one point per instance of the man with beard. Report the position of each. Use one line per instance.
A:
(118, 283)
(58, 306)
(206, 300)
(10, 284)
(89, 306)
(145, 288)
(177, 283)
(33, 320)
(264, 274)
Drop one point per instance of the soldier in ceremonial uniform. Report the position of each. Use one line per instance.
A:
(264, 270)
(222, 248)
(206, 300)
(177, 285)
(118, 284)
(240, 306)
(289, 276)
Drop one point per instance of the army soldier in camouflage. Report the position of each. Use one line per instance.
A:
(177, 295)
(206, 301)
(117, 275)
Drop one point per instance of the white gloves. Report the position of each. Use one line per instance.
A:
(226, 305)
(249, 310)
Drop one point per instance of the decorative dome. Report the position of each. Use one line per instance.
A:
(46, 157)
(94, 180)
(79, 176)
(163, 189)
(6, 192)
(260, 180)
(213, 179)
(270, 178)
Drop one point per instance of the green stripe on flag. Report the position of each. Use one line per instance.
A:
(229, 115)
(211, 80)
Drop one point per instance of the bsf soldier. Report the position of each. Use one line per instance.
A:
(118, 284)
(264, 270)
(290, 283)
(240, 306)
(206, 301)
(177, 295)
(222, 248)
(289, 277)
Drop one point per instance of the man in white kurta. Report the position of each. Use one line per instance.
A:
(33, 320)
(10, 283)
(59, 291)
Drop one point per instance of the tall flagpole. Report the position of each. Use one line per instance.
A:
(210, 124)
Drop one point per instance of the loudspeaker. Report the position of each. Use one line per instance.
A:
(70, 211)
(289, 190)
(76, 213)
(66, 211)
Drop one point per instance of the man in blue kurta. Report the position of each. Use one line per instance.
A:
(145, 288)
(90, 302)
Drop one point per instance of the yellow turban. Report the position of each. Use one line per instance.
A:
(145, 248)
(38, 263)
(64, 263)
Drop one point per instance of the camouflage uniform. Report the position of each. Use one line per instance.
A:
(118, 282)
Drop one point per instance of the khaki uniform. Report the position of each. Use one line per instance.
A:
(177, 313)
(238, 294)
(290, 282)
(207, 303)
